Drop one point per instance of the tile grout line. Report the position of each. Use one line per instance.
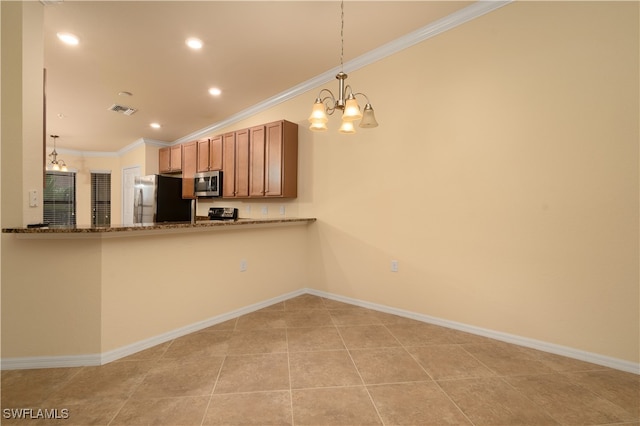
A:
(213, 390)
(364, 385)
(215, 384)
(133, 391)
(430, 376)
(286, 336)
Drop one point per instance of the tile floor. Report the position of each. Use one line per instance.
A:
(314, 361)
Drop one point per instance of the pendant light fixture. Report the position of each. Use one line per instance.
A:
(346, 101)
(55, 164)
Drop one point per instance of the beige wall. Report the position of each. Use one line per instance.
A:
(503, 178)
(22, 103)
(89, 296)
(155, 284)
(514, 178)
(50, 297)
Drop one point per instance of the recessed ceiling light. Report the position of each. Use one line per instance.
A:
(194, 43)
(68, 38)
(214, 91)
(155, 125)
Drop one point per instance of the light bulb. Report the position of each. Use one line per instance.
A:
(68, 38)
(194, 43)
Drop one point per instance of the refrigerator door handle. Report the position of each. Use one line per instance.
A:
(138, 207)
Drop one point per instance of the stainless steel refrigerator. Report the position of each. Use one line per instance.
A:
(158, 198)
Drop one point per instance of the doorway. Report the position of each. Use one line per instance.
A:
(128, 180)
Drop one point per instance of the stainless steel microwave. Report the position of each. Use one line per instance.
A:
(208, 184)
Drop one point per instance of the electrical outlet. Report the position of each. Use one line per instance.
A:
(394, 266)
(247, 210)
(243, 265)
(265, 210)
(282, 210)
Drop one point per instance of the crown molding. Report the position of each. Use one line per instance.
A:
(138, 143)
(446, 23)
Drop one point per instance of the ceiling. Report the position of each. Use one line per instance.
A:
(252, 51)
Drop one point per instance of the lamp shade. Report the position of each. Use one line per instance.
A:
(351, 110)
(318, 127)
(368, 118)
(318, 114)
(347, 127)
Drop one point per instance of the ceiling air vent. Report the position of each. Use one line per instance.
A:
(122, 109)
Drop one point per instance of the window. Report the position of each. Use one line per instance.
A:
(60, 198)
(100, 199)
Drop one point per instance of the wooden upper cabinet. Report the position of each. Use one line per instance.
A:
(164, 160)
(281, 160)
(215, 153)
(261, 161)
(210, 154)
(189, 166)
(170, 159)
(203, 155)
(242, 163)
(229, 165)
(256, 161)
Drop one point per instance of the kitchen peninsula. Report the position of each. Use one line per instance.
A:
(88, 296)
(198, 225)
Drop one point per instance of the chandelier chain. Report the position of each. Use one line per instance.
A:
(342, 35)
(345, 102)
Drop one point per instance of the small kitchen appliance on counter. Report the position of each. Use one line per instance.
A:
(223, 213)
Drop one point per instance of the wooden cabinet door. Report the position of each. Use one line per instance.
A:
(176, 158)
(229, 165)
(203, 155)
(242, 163)
(273, 160)
(164, 160)
(256, 161)
(190, 157)
(281, 159)
(215, 153)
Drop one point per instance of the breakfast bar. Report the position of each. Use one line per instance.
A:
(87, 295)
(200, 224)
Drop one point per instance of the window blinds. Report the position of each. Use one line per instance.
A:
(100, 199)
(60, 198)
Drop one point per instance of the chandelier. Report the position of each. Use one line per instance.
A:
(346, 101)
(55, 164)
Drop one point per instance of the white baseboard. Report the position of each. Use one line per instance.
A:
(24, 363)
(106, 357)
(593, 358)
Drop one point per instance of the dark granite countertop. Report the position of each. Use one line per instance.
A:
(203, 224)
